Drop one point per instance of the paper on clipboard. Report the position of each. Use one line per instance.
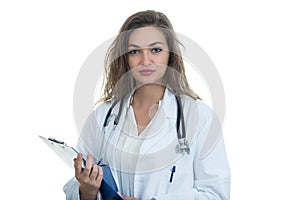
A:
(64, 152)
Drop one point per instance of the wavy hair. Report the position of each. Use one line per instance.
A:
(116, 60)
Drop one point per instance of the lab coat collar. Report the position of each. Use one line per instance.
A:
(168, 103)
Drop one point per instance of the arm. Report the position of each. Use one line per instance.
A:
(90, 177)
(212, 174)
(87, 182)
(71, 190)
(90, 138)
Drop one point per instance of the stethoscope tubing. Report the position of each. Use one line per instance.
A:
(181, 135)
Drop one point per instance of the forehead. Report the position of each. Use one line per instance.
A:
(146, 35)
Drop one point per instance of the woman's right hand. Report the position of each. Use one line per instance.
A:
(90, 177)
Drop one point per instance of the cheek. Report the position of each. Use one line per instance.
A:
(165, 58)
(130, 63)
(133, 61)
(162, 70)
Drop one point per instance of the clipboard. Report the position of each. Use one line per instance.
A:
(63, 151)
(108, 189)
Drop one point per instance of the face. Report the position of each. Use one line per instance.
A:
(148, 55)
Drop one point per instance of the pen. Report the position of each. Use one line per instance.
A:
(172, 173)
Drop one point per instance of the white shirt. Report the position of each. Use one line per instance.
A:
(141, 165)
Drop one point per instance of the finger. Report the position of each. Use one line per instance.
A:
(88, 165)
(78, 164)
(100, 175)
(128, 198)
(94, 172)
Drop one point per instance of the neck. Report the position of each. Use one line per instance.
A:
(148, 95)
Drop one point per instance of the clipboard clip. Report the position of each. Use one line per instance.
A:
(56, 141)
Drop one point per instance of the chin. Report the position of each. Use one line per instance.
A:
(150, 82)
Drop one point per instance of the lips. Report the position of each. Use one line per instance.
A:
(146, 72)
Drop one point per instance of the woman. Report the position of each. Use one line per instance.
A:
(151, 129)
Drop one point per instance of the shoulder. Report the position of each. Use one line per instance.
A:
(103, 107)
(202, 124)
(97, 116)
(196, 105)
(199, 115)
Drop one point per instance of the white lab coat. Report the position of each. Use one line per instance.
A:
(141, 165)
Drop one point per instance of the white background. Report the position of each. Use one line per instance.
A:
(255, 46)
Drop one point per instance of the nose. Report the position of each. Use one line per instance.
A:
(146, 57)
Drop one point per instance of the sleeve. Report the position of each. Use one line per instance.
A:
(90, 138)
(71, 190)
(210, 166)
(212, 174)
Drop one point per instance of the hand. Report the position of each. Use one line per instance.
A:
(90, 177)
(129, 198)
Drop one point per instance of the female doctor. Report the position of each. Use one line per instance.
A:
(159, 139)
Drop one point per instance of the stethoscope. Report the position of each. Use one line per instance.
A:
(183, 144)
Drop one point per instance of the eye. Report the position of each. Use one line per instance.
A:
(156, 50)
(134, 51)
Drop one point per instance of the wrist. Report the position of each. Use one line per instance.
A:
(87, 193)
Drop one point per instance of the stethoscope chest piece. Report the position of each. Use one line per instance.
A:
(183, 146)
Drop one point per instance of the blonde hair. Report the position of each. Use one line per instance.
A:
(116, 60)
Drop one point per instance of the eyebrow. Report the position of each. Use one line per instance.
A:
(150, 45)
